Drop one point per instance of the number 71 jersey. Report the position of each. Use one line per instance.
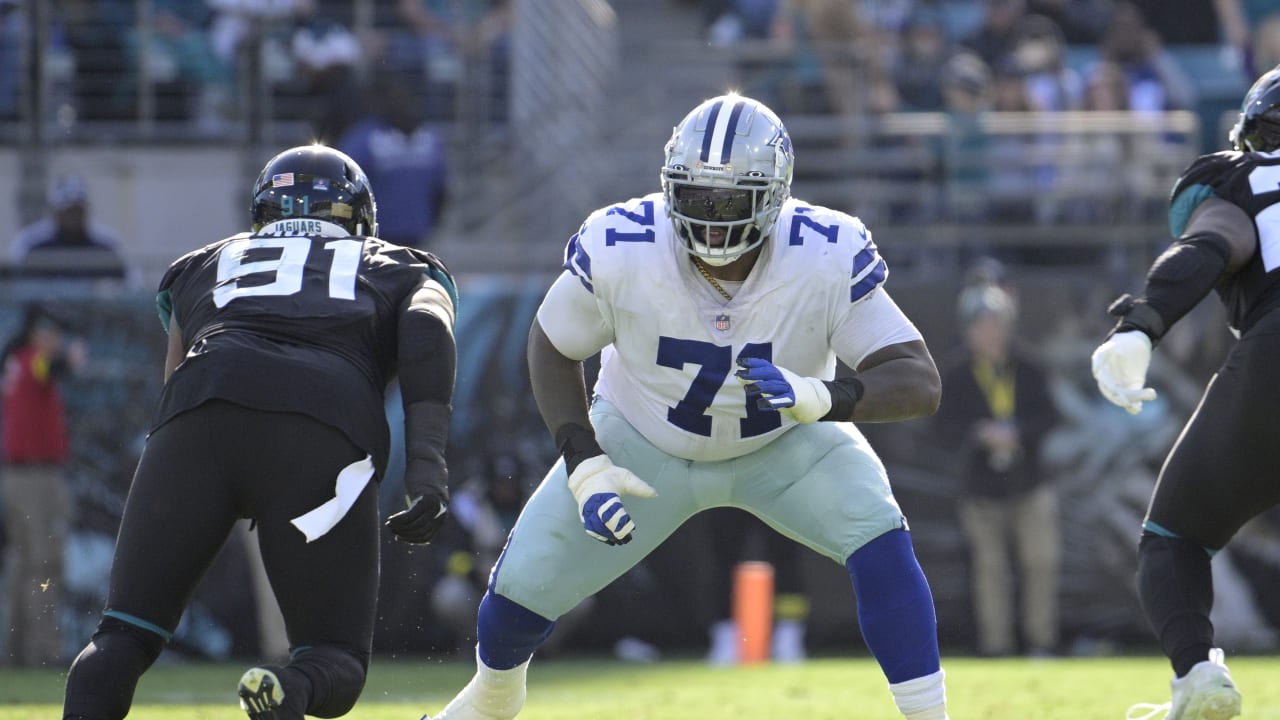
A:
(669, 340)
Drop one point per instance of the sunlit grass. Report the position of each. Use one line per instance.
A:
(1065, 689)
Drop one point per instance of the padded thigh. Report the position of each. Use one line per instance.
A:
(820, 484)
(1222, 471)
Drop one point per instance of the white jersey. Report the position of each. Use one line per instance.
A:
(669, 340)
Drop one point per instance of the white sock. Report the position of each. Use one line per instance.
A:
(922, 698)
(491, 694)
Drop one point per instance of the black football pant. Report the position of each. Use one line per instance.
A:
(1225, 468)
(1223, 471)
(199, 474)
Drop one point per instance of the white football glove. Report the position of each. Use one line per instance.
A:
(1120, 367)
(803, 399)
(597, 485)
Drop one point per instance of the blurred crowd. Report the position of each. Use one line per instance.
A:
(208, 69)
(1128, 63)
(194, 60)
(1045, 55)
(800, 56)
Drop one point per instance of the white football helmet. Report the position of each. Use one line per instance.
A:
(727, 173)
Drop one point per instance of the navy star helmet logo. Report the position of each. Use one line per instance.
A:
(781, 139)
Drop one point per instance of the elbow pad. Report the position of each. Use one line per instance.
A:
(1177, 281)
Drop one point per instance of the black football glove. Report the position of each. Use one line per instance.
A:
(427, 494)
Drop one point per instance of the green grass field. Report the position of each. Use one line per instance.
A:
(1066, 689)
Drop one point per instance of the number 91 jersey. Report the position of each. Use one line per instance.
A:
(299, 317)
(669, 340)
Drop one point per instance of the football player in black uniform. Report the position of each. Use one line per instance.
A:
(1222, 470)
(281, 343)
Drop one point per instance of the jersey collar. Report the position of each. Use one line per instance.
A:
(304, 226)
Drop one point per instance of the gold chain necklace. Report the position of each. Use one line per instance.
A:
(698, 264)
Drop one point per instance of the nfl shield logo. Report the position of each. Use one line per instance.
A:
(722, 323)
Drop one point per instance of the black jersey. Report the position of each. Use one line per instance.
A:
(1250, 181)
(298, 318)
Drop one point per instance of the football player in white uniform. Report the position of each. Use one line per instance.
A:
(720, 306)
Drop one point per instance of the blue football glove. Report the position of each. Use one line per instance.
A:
(597, 484)
(803, 399)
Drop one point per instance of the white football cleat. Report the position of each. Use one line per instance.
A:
(491, 695)
(470, 705)
(1205, 693)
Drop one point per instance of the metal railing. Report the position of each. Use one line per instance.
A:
(569, 140)
(1028, 168)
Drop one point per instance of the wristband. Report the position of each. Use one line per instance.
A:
(845, 394)
(576, 443)
(1137, 315)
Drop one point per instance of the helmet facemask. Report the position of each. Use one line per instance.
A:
(724, 211)
(719, 224)
(1258, 133)
(1258, 127)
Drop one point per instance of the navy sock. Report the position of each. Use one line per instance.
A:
(507, 633)
(895, 607)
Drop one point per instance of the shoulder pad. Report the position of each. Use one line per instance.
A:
(1213, 169)
(855, 252)
(634, 222)
(164, 294)
(1207, 176)
(179, 266)
(435, 269)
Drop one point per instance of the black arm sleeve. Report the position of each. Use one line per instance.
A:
(427, 354)
(427, 360)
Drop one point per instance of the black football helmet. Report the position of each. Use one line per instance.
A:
(314, 181)
(1258, 128)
